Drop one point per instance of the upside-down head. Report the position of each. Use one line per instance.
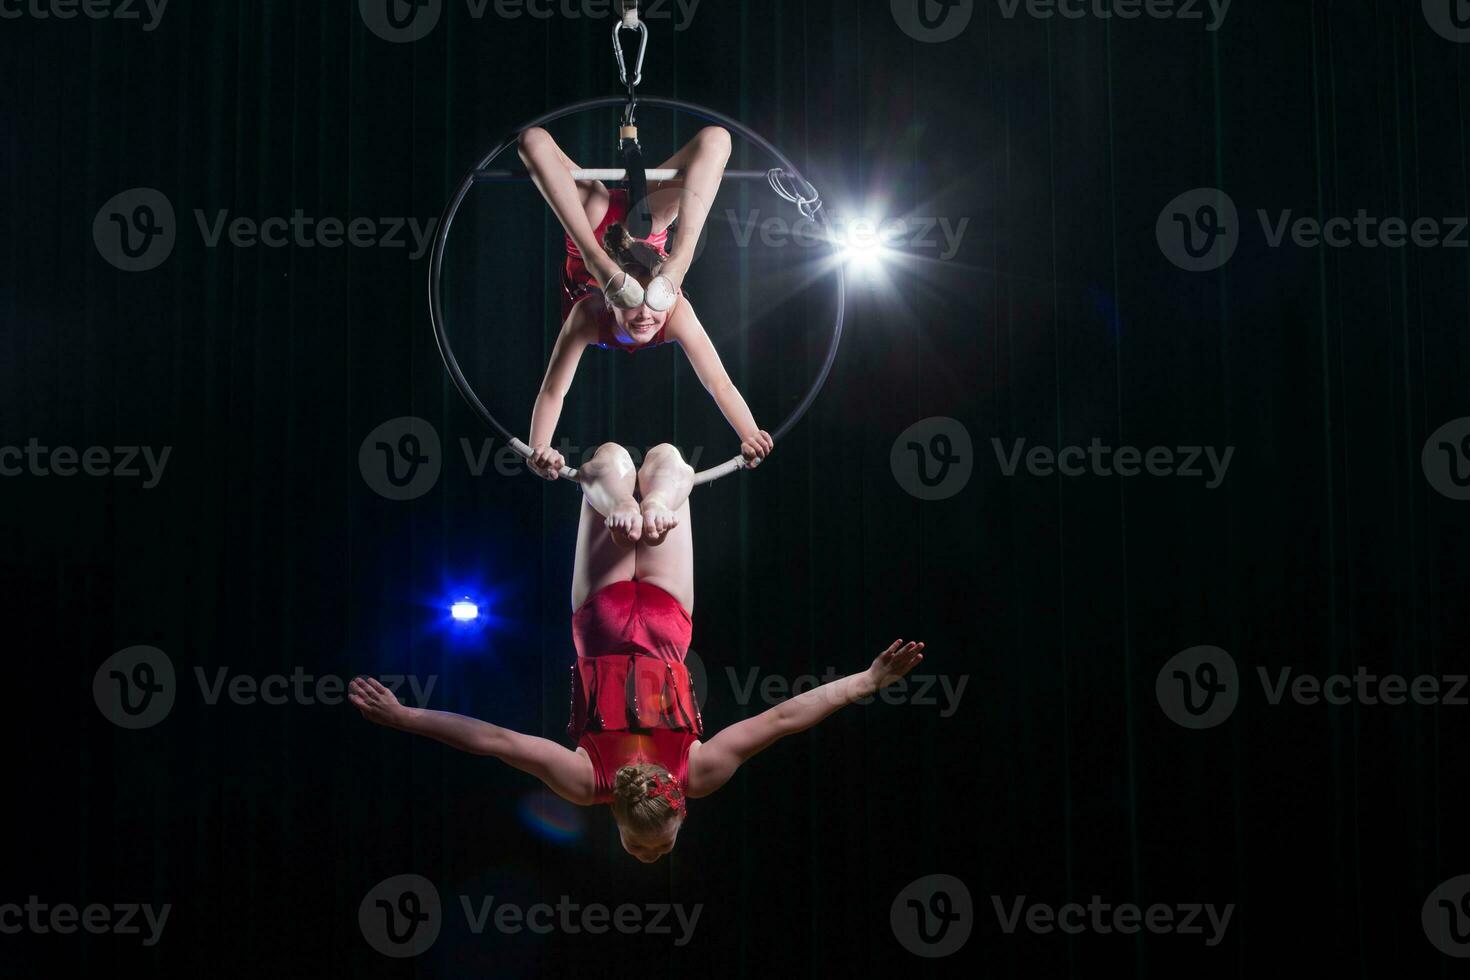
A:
(638, 259)
(648, 804)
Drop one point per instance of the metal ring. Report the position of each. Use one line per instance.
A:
(436, 269)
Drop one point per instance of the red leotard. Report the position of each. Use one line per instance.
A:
(578, 283)
(632, 699)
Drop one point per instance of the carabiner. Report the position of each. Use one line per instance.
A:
(642, 30)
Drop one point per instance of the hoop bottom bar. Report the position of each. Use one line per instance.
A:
(706, 476)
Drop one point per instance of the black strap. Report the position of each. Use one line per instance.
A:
(640, 211)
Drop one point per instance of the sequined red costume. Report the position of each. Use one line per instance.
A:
(632, 698)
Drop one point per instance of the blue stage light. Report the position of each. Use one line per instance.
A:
(464, 611)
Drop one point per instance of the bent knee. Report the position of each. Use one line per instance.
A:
(534, 138)
(716, 138)
(667, 454)
(612, 450)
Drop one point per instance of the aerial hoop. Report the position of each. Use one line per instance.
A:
(785, 180)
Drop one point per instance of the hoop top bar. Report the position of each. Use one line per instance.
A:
(502, 176)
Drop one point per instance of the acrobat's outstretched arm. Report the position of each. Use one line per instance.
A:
(684, 327)
(713, 763)
(565, 773)
(546, 413)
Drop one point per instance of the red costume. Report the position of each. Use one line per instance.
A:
(578, 283)
(632, 699)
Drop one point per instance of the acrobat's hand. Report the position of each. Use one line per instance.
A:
(756, 448)
(546, 462)
(895, 662)
(377, 704)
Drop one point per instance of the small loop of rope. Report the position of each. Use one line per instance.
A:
(799, 192)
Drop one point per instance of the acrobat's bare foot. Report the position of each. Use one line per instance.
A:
(625, 522)
(658, 520)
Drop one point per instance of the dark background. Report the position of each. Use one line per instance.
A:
(264, 550)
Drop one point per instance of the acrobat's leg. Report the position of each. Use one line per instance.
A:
(579, 208)
(608, 480)
(610, 523)
(667, 562)
(690, 198)
(664, 483)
